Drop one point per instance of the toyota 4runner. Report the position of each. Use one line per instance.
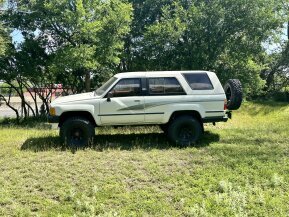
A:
(180, 102)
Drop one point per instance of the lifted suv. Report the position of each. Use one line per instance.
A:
(179, 102)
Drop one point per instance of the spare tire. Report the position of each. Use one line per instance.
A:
(234, 94)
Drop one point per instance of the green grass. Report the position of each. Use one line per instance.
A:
(239, 168)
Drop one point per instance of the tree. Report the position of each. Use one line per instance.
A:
(64, 42)
(82, 37)
(277, 73)
(222, 36)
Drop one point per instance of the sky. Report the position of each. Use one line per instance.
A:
(17, 37)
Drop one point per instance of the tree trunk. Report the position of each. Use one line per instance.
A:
(7, 102)
(288, 30)
(23, 107)
(87, 82)
(34, 98)
(30, 108)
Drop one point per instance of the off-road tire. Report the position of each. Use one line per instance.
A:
(164, 128)
(77, 132)
(234, 94)
(185, 130)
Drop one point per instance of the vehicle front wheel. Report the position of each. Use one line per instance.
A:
(77, 132)
(185, 130)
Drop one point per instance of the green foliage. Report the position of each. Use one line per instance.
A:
(239, 168)
(80, 37)
(222, 36)
(277, 73)
(68, 41)
(3, 40)
(5, 89)
(3, 35)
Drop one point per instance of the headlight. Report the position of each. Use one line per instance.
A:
(52, 111)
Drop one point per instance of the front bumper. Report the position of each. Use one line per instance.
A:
(53, 119)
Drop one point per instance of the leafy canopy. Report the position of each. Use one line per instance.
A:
(222, 36)
(81, 36)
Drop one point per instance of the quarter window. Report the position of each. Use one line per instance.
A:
(199, 81)
(165, 86)
(127, 87)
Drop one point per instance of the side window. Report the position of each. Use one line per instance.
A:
(172, 86)
(199, 81)
(165, 86)
(156, 85)
(127, 87)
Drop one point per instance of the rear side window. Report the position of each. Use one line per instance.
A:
(165, 86)
(199, 81)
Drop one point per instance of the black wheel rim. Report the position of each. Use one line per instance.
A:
(186, 134)
(228, 93)
(77, 136)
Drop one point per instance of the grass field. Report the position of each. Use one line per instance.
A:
(239, 168)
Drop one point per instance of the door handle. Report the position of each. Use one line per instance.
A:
(137, 100)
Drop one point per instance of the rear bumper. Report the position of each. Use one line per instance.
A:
(53, 119)
(228, 115)
(215, 119)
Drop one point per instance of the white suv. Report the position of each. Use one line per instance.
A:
(178, 101)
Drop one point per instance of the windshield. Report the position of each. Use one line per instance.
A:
(105, 86)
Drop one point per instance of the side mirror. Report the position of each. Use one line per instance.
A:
(109, 96)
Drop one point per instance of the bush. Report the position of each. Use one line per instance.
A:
(281, 96)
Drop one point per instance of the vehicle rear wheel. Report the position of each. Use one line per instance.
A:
(77, 132)
(185, 130)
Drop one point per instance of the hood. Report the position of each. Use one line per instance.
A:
(74, 98)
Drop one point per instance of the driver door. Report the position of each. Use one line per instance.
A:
(126, 106)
